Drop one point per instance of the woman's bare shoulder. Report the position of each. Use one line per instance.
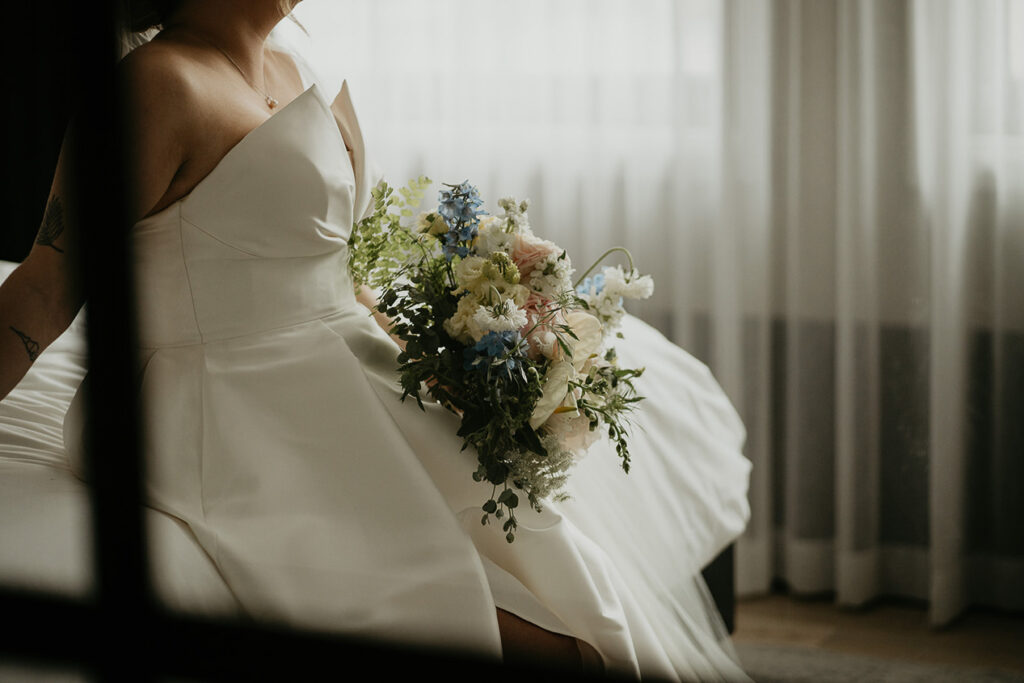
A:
(160, 72)
(165, 103)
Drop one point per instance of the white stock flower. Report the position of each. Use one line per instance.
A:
(514, 214)
(492, 236)
(607, 307)
(552, 276)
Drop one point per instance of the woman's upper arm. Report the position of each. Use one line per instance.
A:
(46, 274)
(160, 100)
(155, 152)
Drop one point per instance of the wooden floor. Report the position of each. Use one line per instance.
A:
(895, 630)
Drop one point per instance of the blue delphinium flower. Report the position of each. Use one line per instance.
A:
(460, 208)
(509, 365)
(450, 207)
(491, 346)
(592, 285)
(453, 246)
(495, 343)
(472, 199)
(460, 205)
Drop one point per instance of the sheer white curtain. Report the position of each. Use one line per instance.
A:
(830, 195)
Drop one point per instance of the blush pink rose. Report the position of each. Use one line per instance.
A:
(528, 250)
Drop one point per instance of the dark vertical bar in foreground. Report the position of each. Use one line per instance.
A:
(112, 435)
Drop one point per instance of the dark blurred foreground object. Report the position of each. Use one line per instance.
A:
(39, 89)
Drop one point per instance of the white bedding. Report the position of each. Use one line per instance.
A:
(44, 507)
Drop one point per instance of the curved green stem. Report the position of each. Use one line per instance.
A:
(602, 258)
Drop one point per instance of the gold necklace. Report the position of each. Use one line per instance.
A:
(270, 99)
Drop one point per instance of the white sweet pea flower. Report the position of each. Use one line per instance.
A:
(614, 281)
(605, 294)
(618, 283)
(639, 287)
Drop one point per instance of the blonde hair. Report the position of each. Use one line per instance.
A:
(142, 15)
(143, 19)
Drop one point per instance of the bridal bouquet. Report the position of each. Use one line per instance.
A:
(497, 331)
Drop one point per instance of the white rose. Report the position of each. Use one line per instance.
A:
(462, 326)
(469, 270)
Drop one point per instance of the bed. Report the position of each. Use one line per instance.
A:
(45, 514)
(44, 507)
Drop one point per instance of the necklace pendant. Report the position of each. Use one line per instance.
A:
(271, 102)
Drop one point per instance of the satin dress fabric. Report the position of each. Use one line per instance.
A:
(275, 433)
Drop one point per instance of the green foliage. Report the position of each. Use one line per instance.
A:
(608, 396)
(495, 406)
(380, 245)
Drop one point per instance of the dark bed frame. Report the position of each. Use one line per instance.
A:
(120, 633)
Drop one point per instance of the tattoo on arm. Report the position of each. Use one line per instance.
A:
(53, 224)
(31, 345)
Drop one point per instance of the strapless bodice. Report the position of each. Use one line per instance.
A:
(261, 242)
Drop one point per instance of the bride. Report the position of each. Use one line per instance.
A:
(273, 421)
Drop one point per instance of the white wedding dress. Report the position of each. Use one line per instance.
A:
(276, 434)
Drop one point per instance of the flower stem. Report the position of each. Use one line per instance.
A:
(547, 316)
(602, 258)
